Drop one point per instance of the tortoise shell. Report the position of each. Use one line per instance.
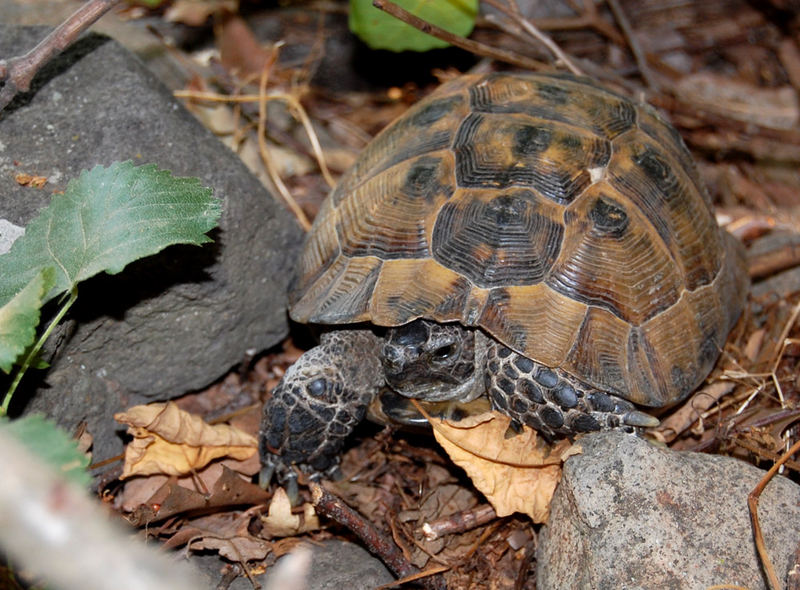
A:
(562, 218)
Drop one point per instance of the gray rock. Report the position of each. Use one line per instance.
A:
(628, 515)
(168, 324)
(334, 565)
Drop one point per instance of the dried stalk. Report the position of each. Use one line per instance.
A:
(294, 105)
(267, 160)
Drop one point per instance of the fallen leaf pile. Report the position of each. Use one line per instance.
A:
(177, 465)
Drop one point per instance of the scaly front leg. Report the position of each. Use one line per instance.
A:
(318, 402)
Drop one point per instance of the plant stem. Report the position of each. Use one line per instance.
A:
(73, 295)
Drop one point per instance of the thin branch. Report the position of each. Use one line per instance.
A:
(467, 44)
(633, 43)
(18, 72)
(459, 522)
(512, 11)
(377, 543)
(587, 19)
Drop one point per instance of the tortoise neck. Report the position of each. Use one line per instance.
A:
(477, 385)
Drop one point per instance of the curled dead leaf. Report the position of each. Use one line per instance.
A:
(170, 441)
(516, 474)
(280, 521)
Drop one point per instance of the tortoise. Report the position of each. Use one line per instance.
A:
(534, 238)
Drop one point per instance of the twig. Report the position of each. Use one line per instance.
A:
(691, 411)
(752, 503)
(760, 265)
(513, 12)
(333, 507)
(458, 522)
(587, 19)
(633, 43)
(551, 45)
(467, 44)
(18, 72)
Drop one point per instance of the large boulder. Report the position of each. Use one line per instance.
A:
(168, 324)
(630, 515)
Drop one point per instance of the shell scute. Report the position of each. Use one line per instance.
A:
(387, 214)
(610, 257)
(563, 99)
(499, 151)
(496, 238)
(665, 194)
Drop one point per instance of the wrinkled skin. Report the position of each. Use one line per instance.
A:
(326, 392)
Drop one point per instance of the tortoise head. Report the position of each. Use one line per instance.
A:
(434, 362)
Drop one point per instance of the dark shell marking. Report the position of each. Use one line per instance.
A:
(562, 218)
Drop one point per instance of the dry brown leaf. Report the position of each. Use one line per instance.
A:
(230, 490)
(239, 549)
(225, 532)
(138, 490)
(240, 51)
(196, 12)
(516, 474)
(170, 441)
(281, 522)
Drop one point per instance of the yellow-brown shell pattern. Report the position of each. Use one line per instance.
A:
(565, 220)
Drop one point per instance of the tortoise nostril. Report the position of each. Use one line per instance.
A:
(392, 359)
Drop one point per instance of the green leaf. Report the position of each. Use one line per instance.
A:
(107, 218)
(50, 443)
(20, 316)
(380, 30)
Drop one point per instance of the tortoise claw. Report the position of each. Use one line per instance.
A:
(639, 419)
(265, 475)
(292, 489)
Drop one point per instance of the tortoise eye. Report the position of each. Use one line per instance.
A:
(317, 387)
(444, 352)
